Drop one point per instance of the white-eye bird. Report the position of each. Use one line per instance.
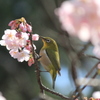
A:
(50, 57)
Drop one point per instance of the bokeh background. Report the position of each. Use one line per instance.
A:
(17, 80)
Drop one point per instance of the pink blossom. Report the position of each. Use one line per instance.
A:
(23, 39)
(13, 24)
(23, 27)
(21, 56)
(2, 42)
(17, 40)
(35, 37)
(14, 53)
(28, 47)
(18, 34)
(29, 28)
(30, 61)
(81, 18)
(20, 48)
(9, 34)
(11, 41)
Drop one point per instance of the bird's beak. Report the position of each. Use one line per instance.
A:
(41, 37)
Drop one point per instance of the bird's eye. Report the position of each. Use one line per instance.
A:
(48, 40)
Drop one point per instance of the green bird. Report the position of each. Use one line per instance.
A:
(50, 57)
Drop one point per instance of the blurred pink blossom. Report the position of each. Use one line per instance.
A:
(81, 18)
(96, 95)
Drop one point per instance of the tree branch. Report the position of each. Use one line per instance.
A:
(43, 88)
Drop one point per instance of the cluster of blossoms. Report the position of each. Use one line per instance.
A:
(17, 40)
(81, 18)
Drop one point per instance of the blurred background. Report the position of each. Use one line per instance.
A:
(17, 80)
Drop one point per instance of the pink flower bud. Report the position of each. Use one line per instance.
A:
(11, 23)
(23, 27)
(29, 28)
(35, 37)
(31, 61)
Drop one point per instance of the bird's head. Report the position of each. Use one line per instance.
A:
(49, 42)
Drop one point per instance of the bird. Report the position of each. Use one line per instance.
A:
(50, 59)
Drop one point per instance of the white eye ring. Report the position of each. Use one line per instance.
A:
(48, 40)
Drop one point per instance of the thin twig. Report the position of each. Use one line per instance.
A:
(84, 48)
(39, 78)
(79, 55)
(92, 69)
(86, 85)
(36, 67)
(90, 56)
(88, 74)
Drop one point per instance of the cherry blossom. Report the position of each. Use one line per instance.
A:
(17, 41)
(35, 37)
(31, 61)
(81, 18)
(20, 56)
(25, 27)
(11, 41)
(21, 25)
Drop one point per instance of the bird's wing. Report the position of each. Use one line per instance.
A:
(54, 58)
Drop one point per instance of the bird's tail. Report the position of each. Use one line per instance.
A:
(53, 74)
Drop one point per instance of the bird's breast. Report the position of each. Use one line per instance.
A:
(44, 60)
